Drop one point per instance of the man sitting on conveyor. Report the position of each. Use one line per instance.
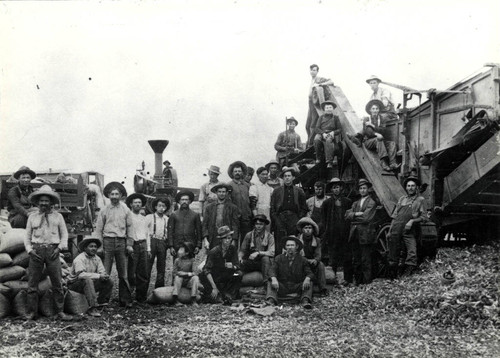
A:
(327, 134)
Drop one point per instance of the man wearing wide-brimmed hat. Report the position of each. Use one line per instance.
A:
(87, 275)
(157, 224)
(288, 143)
(138, 261)
(362, 235)
(240, 197)
(184, 225)
(206, 196)
(46, 237)
(290, 274)
(220, 213)
(410, 211)
(257, 248)
(382, 94)
(327, 135)
(115, 228)
(274, 169)
(334, 228)
(19, 206)
(288, 205)
(170, 176)
(221, 277)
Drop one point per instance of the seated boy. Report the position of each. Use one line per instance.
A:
(183, 272)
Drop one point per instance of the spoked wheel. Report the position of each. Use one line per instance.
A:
(381, 254)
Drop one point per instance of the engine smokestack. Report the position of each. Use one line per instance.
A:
(158, 147)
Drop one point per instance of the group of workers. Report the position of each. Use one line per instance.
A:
(267, 226)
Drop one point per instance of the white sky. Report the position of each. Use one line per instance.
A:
(216, 78)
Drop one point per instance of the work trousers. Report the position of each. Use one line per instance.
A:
(319, 274)
(262, 264)
(227, 284)
(189, 282)
(89, 287)
(330, 148)
(338, 248)
(312, 119)
(138, 270)
(384, 148)
(116, 248)
(407, 242)
(158, 251)
(53, 267)
(286, 224)
(286, 288)
(362, 261)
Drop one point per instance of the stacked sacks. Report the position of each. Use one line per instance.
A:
(252, 284)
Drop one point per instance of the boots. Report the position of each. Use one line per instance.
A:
(384, 162)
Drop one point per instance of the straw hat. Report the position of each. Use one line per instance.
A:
(44, 190)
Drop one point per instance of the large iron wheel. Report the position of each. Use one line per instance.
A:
(381, 252)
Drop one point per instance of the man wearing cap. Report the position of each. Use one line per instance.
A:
(315, 202)
(334, 228)
(170, 175)
(312, 114)
(240, 197)
(46, 236)
(362, 234)
(257, 249)
(115, 229)
(383, 95)
(373, 141)
(327, 135)
(290, 274)
(221, 277)
(274, 169)
(87, 275)
(206, 196)
(218, 214)
(311, 250)
(157, 224)
(288, 142)
(260, 194)
(138, 261)
(19, 206)
(410, 211)
(184, 225)
(288, 205)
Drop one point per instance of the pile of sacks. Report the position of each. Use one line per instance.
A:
(14, 272)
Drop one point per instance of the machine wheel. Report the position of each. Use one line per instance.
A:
(381, 252)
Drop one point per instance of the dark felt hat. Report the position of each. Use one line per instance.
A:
(237, 163)
(86, 241)
(273, 161)
(166, 162)
(47, 191)
(411, 178)
(163, 199)
(224, 231)
(134, 196)
(328, 102)
(221, 185)
(181, 193)
(24, 170)
(261, 217)
(376, 102)
(114, 185)
(296, 239)
(364, 182)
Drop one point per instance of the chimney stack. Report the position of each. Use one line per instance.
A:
(158, 147)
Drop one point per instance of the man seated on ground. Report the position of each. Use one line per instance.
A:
(374, 141)
(88, 276)
(311, 250)
(327, 135)
(257, 248)
(221, 277)
(183, 272)
(290, 274)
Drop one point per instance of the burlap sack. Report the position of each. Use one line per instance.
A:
(12, 242)
(329, 275)
(75, 303)
(20, 303)
(21, 259)
(5, 260)
(252, 279)
(11, 273)
(47, 305)
(4, 290)
(163, 295)
(4, 306)
(17, 285)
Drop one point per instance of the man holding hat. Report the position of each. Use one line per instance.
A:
(240, 197)
(138, 261)
(260, 194)
(274, 169)
(362, 235)
(19, 206)
(157, 224)
(257, 249)
(383, 95)
(311, 250)
(115, 229)
(221, 277)
(87, 275)
(184, 225)
(206, 196)
(46, 237)
(288, 142)
(410, 211)
(290, 274)
(334, 228)
(218, 214)
(288, 205)
(327, 134)
(312, 114)
(170, 176)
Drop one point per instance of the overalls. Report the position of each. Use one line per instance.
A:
(398, 233)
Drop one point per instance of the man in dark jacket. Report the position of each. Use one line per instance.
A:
(334, 228)
(290, 274)
(19, 205)
(362, 234)
(288, 205)
(184, 225)
(218, 214)
(327, 134)
(239, 195)
(221, 277)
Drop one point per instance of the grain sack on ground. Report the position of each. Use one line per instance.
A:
(4, 306)
(11, 273)
(5, 260)
(20, 303)
(47, 305)
(252, 279)
(12, 242)
(19, 285)
(330, 275)
(75, 303)
(4, 290)
(163, 295)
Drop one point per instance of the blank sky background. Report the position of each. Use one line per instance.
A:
(217, 79)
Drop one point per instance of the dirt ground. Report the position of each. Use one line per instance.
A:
(417, 316)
